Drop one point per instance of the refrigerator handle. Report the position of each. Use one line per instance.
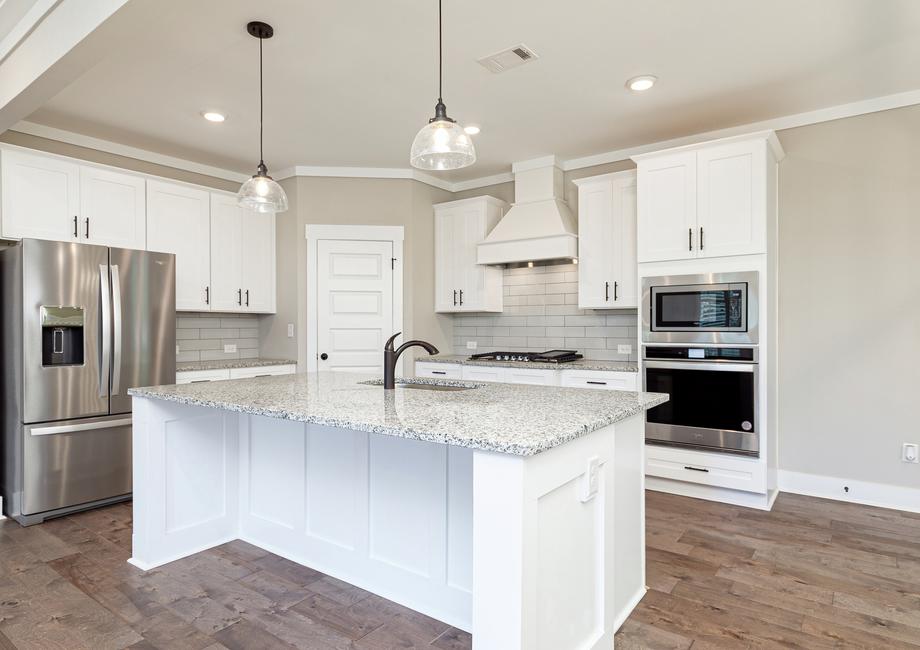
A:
(117, 320)
(106, 331)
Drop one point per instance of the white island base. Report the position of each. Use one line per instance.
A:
(510, 548)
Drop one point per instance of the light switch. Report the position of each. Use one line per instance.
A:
(290, 330)
(230, 347)
(472, 345)
(624, 348)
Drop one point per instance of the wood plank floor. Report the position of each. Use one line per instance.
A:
(810, 574)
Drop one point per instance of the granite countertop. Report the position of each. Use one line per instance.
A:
(225, 364)
(579, 364)
(516, 419)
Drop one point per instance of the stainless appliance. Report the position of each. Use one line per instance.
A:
(712, 308)
(81, 325)
(550, 356)
(714, 403)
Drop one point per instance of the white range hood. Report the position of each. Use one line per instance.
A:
(539, 226)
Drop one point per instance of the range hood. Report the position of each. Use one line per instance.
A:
(539, 226)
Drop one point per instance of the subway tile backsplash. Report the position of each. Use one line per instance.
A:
(202, 336)
(541, 313)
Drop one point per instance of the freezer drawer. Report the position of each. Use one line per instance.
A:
(75, 462)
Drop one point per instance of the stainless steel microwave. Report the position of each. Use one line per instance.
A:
(715, 308)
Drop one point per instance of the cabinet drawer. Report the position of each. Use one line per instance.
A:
(706, 468)
(195, 376)
(437, 370)
(262, 371)
(482, 373)
(535, 376)
(603, 380)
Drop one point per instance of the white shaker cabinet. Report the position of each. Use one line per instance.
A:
(607, 266)
(178, 221)
(708, 200)
(243, 257)
(460, 283)
(56, 198)
(40, 197)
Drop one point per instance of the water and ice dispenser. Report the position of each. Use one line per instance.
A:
(62, 336)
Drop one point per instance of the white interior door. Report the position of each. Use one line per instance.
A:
(354, 282)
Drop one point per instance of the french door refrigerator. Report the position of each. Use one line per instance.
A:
(81, 325)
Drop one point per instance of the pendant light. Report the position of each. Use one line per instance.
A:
(261, 193)
(442, 143)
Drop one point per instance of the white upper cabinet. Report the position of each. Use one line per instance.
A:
(607, 241)
(113, 208)
(50, 197)
(178, 221)
(40, 197)
(709, 200)
(243, 259)
(460, 283)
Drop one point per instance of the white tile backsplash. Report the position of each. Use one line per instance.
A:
(202, 336)
(541, 312)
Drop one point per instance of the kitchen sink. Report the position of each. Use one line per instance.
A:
(423, 385)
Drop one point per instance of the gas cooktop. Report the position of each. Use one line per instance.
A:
(550, 356)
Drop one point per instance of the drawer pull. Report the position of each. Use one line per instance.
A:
(199, 381)
(696, 469)
(596, 383)
(265, 375)
(438, 372)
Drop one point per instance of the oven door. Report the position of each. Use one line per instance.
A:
(712, 405)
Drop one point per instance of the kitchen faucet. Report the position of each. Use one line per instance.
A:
(390, 356)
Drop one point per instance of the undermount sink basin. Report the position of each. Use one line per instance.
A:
(425, 385)
(434, 387)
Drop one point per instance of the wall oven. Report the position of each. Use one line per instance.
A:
(713, 398)
(712, 308)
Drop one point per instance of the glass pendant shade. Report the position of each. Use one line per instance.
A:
(262, 193)
(441, 145)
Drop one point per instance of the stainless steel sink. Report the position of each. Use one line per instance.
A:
(434, 387)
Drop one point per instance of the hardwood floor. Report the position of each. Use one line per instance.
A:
(810, 574)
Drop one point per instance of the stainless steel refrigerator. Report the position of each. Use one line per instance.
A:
(81, 325)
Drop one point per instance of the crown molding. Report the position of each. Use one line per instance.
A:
(485, 181)
(365, 172)
(25, 26)
(80, 140)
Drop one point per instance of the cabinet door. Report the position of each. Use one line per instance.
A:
(40, 197)
(469, 277)
(667, 207)
(112, 208)
(178, 221)
(444, 264)
(597, 264)
(625, 292)
(732, 181)
(258, 261)
(226, 257)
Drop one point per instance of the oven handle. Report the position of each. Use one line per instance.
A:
(724, 366)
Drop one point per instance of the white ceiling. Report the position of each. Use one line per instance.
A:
(349, 83)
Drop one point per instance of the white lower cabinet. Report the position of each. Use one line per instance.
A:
(600, 379)
(718, 470)
(437, 370)
(482, 373)
(196, 376)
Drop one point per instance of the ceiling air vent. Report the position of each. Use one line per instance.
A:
(506, 59)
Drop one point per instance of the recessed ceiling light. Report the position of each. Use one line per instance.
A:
(641, 83)
(213, 116)
(472, 129)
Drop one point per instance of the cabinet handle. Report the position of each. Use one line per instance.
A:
(596, 383)
(87, 227)
(606, 292)
(239, 297)
(690, 239)
(701, 237)
(696, 469)
(461, 297)
(75, 226)
(207, 295)
(247, 297)
(455, 297)
(438, 372)
(265, 375)
(616, 287)
(199, 381)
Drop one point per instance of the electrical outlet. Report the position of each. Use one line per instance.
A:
(290, 330)
(624, 348)
(230, 347)
(909, 453)
(591, 479)
(472, 345)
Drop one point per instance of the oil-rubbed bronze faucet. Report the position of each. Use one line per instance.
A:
(390, 356)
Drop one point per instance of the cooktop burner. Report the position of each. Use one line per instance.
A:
(550, 356)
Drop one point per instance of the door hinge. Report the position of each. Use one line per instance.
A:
(393, 263)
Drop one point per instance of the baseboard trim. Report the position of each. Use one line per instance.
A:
(880, 495)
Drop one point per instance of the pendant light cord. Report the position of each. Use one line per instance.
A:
(261, 102)
(440, 55)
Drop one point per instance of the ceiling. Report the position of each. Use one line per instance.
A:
(350, 83)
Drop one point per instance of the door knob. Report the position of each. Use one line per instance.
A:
(324, 356)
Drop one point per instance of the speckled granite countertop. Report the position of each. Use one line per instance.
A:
(509, 418)
(580, 364)
(225, 364)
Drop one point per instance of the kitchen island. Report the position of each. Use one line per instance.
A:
(514, 512)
